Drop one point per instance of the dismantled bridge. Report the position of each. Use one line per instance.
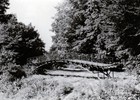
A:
(106, 69)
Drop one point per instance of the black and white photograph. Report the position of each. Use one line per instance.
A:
(69, 49)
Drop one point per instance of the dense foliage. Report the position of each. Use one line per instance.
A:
(3, 7)
(107, 29)
(18, 42)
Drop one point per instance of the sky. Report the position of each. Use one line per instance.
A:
(37, 12)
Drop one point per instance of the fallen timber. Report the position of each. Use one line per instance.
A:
(106, 69)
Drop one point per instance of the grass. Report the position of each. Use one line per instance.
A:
(47, 87)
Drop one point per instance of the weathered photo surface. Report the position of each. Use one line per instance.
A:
(70, 50)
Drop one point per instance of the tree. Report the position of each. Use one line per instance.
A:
(3, 7)
(125, 18)
(129, 25)
(81, 23)
(72, 26)
(108, 29)
(61, 27)
(21, 41)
